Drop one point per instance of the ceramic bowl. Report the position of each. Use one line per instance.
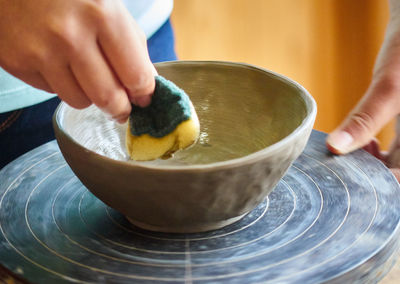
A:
(254, 124)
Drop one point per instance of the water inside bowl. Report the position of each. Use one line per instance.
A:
(241, 111)
(230, 140)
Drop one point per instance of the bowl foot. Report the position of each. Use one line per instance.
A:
(187, 228)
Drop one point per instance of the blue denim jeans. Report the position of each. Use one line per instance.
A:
(25, 129)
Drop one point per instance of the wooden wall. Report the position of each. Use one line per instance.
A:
(329, 46)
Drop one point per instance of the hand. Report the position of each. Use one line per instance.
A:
(391, 158)
(86, 51)
(380, 104)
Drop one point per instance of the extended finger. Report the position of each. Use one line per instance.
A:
(396, 173)
(379, 105)
(124, 45)
(377, 108)
(99, 83)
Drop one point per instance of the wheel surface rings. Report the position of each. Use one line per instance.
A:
(331, 219)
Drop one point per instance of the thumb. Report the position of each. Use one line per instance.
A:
(379, 105)
(381, 101)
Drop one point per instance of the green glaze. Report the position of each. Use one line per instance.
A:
(169, 106)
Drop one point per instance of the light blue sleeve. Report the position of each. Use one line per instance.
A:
(150, 14)
(15, 94)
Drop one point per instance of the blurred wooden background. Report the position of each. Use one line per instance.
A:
(328, 46)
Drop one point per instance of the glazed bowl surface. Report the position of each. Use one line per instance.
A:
(254, 124)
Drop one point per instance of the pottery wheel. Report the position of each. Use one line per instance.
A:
(330, 219)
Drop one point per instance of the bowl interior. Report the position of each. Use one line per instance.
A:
(242, 109)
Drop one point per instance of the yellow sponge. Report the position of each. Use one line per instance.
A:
(169, 124)
(146, 147)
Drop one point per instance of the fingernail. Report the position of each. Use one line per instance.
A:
(339, 142)
(142, 101)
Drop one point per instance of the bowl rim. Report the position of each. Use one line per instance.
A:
(311, 109)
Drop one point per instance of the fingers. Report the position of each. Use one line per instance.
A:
(101, 53)
(100, 84)
(377, 108)
(393, 157)
(124, 46)
(373, 149)
(63, 82)
(396, 173)
(380, 104)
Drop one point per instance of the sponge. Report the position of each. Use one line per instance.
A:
(168, 124)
